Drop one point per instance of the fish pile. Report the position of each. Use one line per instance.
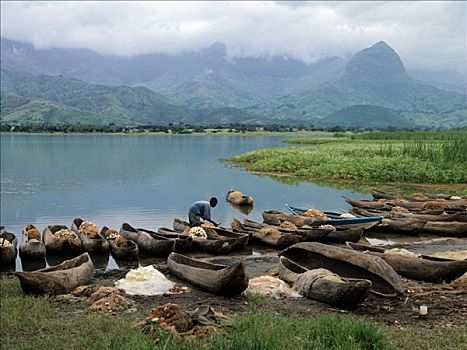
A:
(5, 243)
(315, 213)
(65, 234)
(33, 234)
(88, 229)
(197, 232)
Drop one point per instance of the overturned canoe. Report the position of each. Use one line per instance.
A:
(348, 264)
(120, 247)
(323, 285)
(58, 279)
(61, 244)
(32, 246)
(238, 198)
(394, 214)
(365, 222)
(96, 244)
(148, 241)
(8, 247)
(424, 268)
(224, 280)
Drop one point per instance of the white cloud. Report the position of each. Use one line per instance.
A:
(425, 34)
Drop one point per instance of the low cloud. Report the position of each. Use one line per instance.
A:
(426, 34)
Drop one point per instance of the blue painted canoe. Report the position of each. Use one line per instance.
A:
(339, 221)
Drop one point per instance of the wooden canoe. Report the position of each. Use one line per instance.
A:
(274, 217)
(148, 241)
(97, 245)
(308, 233)
(281, 241)
(238, 198)
(345, 223)
(8, 254)
(436, 216)
(218, 241)
(453, 205)
(415, 227)
(366, 204)
(426, 268)
(58, 279)
(31, 248)
(55, 245)
(383, 195)
(127, 251)
(345, 235)
(348, 264)
(345, 292)
(183, 242)
(223, 280)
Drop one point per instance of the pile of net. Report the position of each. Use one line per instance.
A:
(65, 234)
(147, 281)
(5, 243)
(271, 287)
(199, 324)
(88, 229)
(270, 231)
(100, 299)
(197, 232)
(315, 213)
(327, 227)
(452, 254)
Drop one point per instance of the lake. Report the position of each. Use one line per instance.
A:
(143, 180)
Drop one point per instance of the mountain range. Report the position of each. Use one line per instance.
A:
(372, 89)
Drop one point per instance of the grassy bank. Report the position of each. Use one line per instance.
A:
(38, 323)
(422, 159)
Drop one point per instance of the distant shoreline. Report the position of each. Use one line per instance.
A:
(159, 133)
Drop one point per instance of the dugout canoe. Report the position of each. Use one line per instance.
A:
(422, 197)
(58, 245)
(308, 233)
(125, 249)
(344, 235)
(8, 254)
(356, 222)
(58, 279)
(425, 268)
(415, 227)
(274, 217)
(321, 284)
(347, 263)
(433, 216)
(238, 198)
(95, 245)
(31, 248)
(223, 280)
(183, 242)
(148, 241)
(219, 241)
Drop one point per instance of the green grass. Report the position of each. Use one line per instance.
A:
(28, 322)
(399, 157)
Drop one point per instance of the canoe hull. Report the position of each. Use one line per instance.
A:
(227, 281)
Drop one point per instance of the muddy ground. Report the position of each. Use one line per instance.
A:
(446, 308)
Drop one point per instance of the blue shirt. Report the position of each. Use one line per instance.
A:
(201, 208)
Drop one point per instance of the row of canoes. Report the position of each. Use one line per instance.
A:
(327, 273)
(419, 214)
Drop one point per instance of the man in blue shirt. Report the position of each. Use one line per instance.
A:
(201, 210)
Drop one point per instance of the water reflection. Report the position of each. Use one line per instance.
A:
(143, 180)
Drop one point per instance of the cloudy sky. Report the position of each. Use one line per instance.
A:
(428, 35)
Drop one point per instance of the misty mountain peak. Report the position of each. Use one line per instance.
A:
(378, 64)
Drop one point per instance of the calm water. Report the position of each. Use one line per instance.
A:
(143, 180)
